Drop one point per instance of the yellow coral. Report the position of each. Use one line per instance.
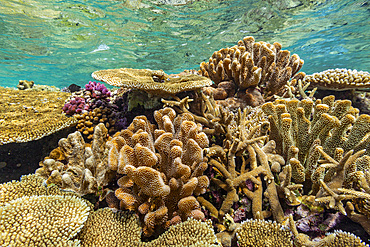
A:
(30, 115)
(153, 81)
(42, 220)
(263, 233)
(339, 79)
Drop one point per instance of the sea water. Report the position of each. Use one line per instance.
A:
(62, 42)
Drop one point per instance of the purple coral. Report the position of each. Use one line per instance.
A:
(75, 105)
(97, 90)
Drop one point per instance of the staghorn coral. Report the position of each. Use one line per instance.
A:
(151, 81)
(339, 79)
(29, 115)
(42, 221)
(258, 70)
(86, 170)
(162, 168)
(263, 233)
(106, 227)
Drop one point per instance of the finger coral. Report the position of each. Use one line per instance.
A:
(42, 221)
(30, 115)
(162, 168)
(87, 166)
(152, 81)
(339, 79)
(253, 71)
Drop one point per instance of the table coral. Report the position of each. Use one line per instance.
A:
(339, 79)
(258, 70)
(42, 221)
(86, 168)
(163, 168)
(152, 81)
(28, 115)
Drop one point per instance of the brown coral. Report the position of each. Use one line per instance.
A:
(152, 81)
(252, 64)
(27, 115)
(42, 221)
(162, 167)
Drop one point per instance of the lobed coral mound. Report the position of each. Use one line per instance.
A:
(162, 168)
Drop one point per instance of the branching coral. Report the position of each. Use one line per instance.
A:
(252, 70)
(151, 81)
(42, 221)
(29, 115)
(163, 168)
(86, 170)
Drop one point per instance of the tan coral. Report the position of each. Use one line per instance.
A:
(263, 233)
(45, 220)
(339, 79)
(106, 227)
(27, 115)
(252, 64)
(160, 167)
(87, 165)
(152, 81)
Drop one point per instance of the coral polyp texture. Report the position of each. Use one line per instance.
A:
(42, 221)
(263, 233)
(30, 115)
(162, 168)
(86, 169)
(107, 228)
(151, 81)
(339, 79)
(252, 71)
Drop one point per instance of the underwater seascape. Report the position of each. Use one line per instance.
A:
(184, 123)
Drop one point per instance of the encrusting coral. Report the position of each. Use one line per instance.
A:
(151, 81)
(86, 170)
(106, 227)
(29, 115)
(339, 79)
(250, 72)
(42, 221)
(163, 168)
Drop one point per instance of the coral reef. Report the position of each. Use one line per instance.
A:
(105, 227)
(250, 72)
(151, 81)
(42, 221)
(29, 115)
(263, 233)
(86, 166)
(24, 84)
(163, 168)
(339, 79)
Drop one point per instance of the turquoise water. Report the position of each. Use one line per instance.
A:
(62, 42)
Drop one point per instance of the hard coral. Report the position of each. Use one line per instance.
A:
(152, 81)
(30, 115)
(45, 221)
(251, 65)
(86, 170)
(162, 168)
